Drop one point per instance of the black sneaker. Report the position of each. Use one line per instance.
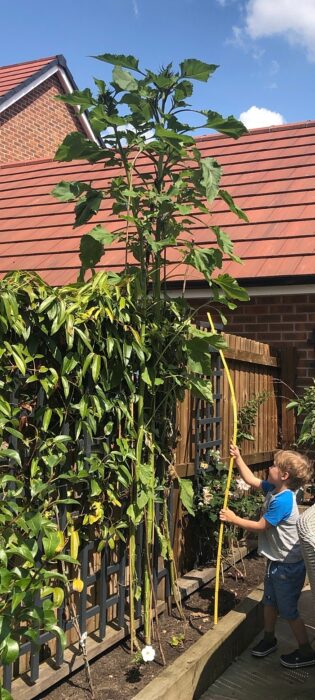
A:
(263, 648)
(296, 660)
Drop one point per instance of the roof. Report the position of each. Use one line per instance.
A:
(12, 76)
(270, 172)
(20, 78)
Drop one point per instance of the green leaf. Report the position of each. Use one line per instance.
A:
(170, 135)
(95, 488)
(197, 70)
(142, 499)
(87, 363)
(5, 627)
(50, 544)
(47, 419)
(16, 600)
(232, 206)
(225, 244)
(5, 407)
(231, 287)
(230, 126)
(204, 259)
(199, 358)
(124, 79)
(183, 89)
(19, 361)
(186, 494)
(87, 207)
(85, 340)
(96, 367)
(75, 146)
(211, 175)
(146, 377)
(10, 651)
(65, 192)
(11, 454)
(292, 404)
(91, 252)
(4, 694)
(59, 633)
(92, 246)
(201, 388)
(101, 234)
(14, 432)
(66, 386)
(119, 60)
(67, 558)
(163, 542)
(58, 597)
(81, 98)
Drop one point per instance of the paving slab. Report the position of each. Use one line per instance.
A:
(250, 678)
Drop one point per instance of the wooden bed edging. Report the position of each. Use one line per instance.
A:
(198, 667)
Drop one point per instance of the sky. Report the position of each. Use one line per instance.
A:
(265, 48)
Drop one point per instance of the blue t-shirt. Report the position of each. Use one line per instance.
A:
(280, 542)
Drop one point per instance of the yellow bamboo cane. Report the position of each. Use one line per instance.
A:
(228, 483)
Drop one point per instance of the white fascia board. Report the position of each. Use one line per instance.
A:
(27, 88)
(252, 291)
(41, 79)
(83, 119)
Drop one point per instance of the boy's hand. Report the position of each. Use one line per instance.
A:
(234, 451)
(227, 515)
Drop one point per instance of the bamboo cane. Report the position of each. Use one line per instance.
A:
(228, 483)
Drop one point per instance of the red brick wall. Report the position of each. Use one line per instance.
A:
(281, 321)
(33, 127)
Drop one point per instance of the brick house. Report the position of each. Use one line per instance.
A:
(32, 123)
(270, 172)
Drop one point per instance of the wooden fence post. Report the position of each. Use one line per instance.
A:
(288, 362)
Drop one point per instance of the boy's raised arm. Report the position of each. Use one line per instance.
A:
(245, 472)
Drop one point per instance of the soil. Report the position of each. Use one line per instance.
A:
(115, 674)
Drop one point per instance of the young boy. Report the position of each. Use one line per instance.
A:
(278, 541)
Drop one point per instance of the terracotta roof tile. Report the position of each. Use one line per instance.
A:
(14, 75)
(270, 173)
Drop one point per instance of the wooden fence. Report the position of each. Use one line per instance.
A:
(255, 368)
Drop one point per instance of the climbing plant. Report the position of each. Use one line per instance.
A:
(305, 410)
(109, 356)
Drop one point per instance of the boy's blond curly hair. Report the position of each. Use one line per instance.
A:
(299, 467)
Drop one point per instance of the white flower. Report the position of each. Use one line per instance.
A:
(203, 465)
(207, 496)
(241, 485)
(148, 654)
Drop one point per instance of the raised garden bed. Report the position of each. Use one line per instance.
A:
(117, 677)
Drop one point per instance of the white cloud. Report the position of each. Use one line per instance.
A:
(256, 117)
(294, 20)
(238, 38)
(274, 68)
(135, 7)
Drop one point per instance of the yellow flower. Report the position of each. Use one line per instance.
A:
(77, 585)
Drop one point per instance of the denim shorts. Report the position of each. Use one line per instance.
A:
(283, 586)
